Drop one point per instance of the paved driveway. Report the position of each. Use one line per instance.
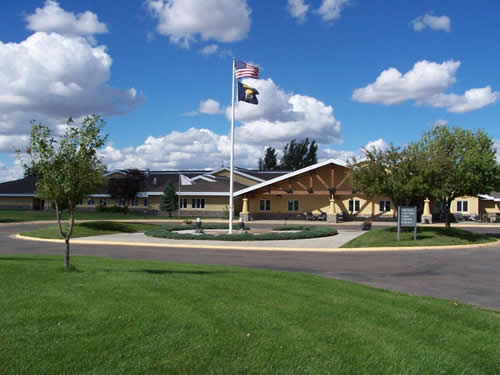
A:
(466, 275)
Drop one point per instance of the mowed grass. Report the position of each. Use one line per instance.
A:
(14, 216)
(426, 236)
(95, 228)
(120, 316)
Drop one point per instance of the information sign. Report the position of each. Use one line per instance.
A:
(407, 217)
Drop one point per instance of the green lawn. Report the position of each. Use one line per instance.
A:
(95, 228)
(13, 216)
(426, 236)
(120, 316)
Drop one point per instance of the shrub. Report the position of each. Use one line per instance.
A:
(367, 225)
(112, 209)
(188, 221)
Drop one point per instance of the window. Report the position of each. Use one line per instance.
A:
(133, 203)
(354, 205)
(102, 202)
(265, 205)
(384, 206)
(198, 203)
(79, 203)
(462, 206)
(293, 205)
(184, 203)
(90, 202)
(145, 202)
(122, 202)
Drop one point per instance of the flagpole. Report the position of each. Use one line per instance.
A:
(179, 203)
(232, 158)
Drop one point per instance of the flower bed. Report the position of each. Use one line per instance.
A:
(300, 232)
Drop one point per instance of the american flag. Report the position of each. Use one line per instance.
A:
(244, 70)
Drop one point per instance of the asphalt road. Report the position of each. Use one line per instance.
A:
(464, 275)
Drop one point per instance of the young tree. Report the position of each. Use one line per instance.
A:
(298, 155)
(269, 163)
(126, 187)
(169, 200)
(459, 163)
(68, 168)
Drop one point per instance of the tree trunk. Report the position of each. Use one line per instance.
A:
(447, 213)
(66, 255)
(69, 233)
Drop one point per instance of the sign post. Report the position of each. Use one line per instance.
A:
(407, 217)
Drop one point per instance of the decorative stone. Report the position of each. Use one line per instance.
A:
(427, 215)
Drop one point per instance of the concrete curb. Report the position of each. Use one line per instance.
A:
(262, 248)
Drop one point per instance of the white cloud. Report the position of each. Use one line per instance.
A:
(425, 83)
(186, 21)
(210, 107)
(278, 118)
(378, 144)
(297, 9)
(330, 10)
(432, 22)
(209, 50)
(14, 172)
(281, 116)
(52, 18)
(49, 77)
(471, 100)
(440, 123)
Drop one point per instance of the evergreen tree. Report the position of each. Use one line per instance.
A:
(298, 155)
(269, 163)
(169, 201)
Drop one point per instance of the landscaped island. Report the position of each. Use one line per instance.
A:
(186, 231)
(426, 236)
(121, 316)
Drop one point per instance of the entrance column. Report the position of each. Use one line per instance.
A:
(244, 214)
(426, 215)
(331, 217)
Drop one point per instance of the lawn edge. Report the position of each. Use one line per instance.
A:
(260, 248)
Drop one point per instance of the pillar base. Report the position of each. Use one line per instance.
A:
(331, 218)
(427, 219)
(245, 216)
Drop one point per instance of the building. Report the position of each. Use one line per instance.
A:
(323, 189)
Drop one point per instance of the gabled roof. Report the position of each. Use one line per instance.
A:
(25, 187)
(291, 174)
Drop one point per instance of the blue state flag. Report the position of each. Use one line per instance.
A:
(247, 94)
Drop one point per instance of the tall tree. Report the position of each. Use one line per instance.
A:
(127, 186)
(269, 163)
(297, 155)
(460, 163)
(169, 200)
(394, 172)
(67, 168)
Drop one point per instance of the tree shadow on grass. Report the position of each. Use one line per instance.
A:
(168, 272)
(29, 259)
(461, 234)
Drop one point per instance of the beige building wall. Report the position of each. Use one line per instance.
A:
(16, 202)
(473, 205)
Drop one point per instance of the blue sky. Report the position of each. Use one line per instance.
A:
(318, 74)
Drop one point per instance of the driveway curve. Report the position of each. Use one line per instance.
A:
(464, 275)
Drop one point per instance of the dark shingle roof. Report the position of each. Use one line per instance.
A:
(23, 186)
(263, 175)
